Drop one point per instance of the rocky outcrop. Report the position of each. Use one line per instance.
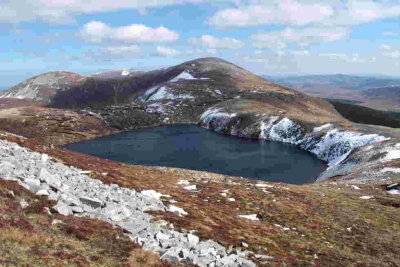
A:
(78, 194)
(345, 151)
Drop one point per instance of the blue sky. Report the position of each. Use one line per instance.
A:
(265, 36)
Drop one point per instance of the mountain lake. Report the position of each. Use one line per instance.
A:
(192, 147)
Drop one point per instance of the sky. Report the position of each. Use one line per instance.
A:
(268, 37)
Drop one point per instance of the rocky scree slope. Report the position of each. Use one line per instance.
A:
(76, 193)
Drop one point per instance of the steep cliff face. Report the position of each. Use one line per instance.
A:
(347, 152)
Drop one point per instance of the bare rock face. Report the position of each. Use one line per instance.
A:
(44, 87)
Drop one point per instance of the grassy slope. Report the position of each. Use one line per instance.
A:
(333, 226)
(53, 126)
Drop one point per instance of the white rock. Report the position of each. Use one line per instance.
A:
(193, 239)
(354, 187)
(45, 157)
(63, 209)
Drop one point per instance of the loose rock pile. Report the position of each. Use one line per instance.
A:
(78, 194)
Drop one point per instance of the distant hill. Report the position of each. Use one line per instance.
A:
(376, 92)
(383, 92)
(349, 82)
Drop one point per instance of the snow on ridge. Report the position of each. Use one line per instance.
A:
(322, 127)
(125, 72)
(285, 130)
(336, 145)
(392, 155)
(161, 93)
(392, 170)
(332, 146)
(220, 119)
(186, 76)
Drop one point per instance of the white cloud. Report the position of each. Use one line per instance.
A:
(167, 51)
(97, 31)
(356, 12)
(385, 47)
(122, 51)
(393, 54)
(277, 40)
(216, 43)
(64, 11)
(300, 52)
(391, 33)
(311, 62)
(355, 57)
(304, 12)
(285, 12)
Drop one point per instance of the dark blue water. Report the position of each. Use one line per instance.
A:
(192, 147)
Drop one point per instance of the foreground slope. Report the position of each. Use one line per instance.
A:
(326, 224)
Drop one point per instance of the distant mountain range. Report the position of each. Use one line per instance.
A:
(375, 92)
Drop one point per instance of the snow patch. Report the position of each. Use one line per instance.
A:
(264, 185)
(164, 93)
(183, 182)
(190, 187)
(186, 76)
(155, 108)
(217, 118)
(392, 155)
(252, 217)
(178, 210)
(367, 197)
(125, 73)
(283, 130)
(153, 194)
(394, 191)
(322, 127)
(335, 146)
(393, 170)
